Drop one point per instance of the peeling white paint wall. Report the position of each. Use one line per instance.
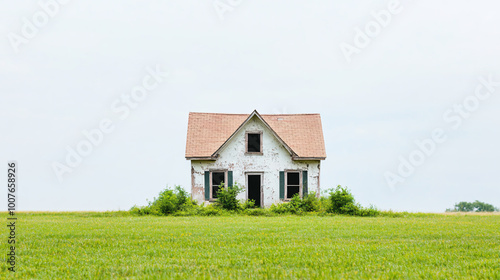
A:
(275, 158)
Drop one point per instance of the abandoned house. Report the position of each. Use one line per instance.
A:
(273, 157)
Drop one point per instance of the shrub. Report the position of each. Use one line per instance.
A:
(367, 212)
(249, 204)
(324, 204)
(310, 203)
(209, 210)
(226, 197)
(183, 199)
(143, 210)
(342, 202)
(295, 206)
(280, 208)
(298, 205)
(348, 209)
(168, 202)
(177, 202)
(284, 208)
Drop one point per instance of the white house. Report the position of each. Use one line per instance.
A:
(272, 156)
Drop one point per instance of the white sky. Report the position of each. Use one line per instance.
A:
(273, 56)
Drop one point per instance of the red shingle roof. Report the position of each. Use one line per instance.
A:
(207, 132)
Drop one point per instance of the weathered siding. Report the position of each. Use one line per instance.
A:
(275, 158)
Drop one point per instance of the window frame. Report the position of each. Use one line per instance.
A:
(212, 199)
(286, 182)
(246, 143)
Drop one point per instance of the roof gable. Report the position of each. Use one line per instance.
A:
(242, 126)
(300, 134)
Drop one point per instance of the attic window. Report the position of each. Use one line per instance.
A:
(254, 143)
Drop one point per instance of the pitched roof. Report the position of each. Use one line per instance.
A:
(301, 133)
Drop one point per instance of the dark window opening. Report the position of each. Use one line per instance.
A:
(292, 184)
(217, 179)
(253, 143)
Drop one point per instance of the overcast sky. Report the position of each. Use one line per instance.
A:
(382, 74)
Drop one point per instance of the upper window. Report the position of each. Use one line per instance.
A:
(218, 178)
(254, 142)
(292, 184)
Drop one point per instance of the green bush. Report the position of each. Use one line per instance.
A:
(280, 208)
(284, 208)
(249, 204)
(168, 202)
(202, 210)
(324, 204)
(226, 197)
(310, 203)
(295, 205)
(342, 202)
(143, 210)
(184, 201)
(209, 210)
(367, 212)
(177, 202)
(298, 205)
(348, 209)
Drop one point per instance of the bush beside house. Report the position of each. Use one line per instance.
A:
(177, 202)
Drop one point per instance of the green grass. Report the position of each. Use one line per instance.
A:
(116, 245)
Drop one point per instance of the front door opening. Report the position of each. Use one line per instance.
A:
(255, 189)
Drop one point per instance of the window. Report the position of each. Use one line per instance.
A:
(254, 143)
(218, 178)
(292, 184)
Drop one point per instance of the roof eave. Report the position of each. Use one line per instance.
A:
(308, 158)
(201, 158)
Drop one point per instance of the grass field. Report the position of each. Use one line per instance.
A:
(113, 245)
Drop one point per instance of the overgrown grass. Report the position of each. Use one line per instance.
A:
(118, 245)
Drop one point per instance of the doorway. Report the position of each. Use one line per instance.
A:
(254, 188)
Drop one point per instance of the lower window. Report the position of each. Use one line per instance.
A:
(218, 178)
(292, 184)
